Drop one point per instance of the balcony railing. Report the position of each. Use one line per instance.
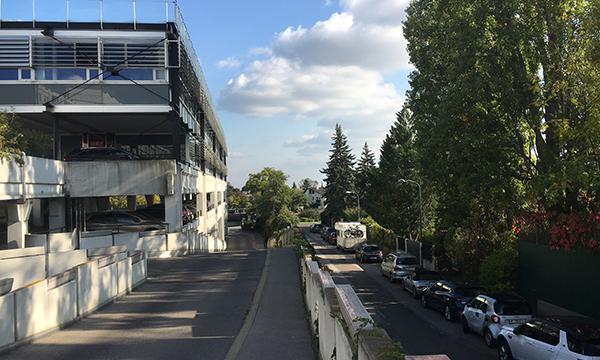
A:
(89, 11)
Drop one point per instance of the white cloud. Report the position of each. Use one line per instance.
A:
(344, 40)
(385, 12)
(260, 51)
(229, 63)
(280, 86)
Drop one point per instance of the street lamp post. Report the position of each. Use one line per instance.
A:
(403, 181)
(357, 201)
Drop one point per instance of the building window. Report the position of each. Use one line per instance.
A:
(133, 74)
(73, 74)
(25, 74)
(9, 74)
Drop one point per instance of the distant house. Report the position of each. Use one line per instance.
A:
(315, 196)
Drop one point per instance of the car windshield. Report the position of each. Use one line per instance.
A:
(406, 261)
(371, 248)
(467, 292)
(427, 276)
(512, 308)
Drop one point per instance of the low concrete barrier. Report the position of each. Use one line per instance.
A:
(343, 327)
(25, 266)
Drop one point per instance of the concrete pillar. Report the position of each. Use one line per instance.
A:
(131, 203)
(149, 199)
(56, 215)
(173, 206)
(37, 215)
(17, 223)
(103, 203)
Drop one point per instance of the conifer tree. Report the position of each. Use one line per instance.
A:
(339, 176)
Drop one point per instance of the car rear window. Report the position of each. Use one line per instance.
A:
(512, 308)
(427, 276)
(467, 292)
(371, 248)
(406, 261)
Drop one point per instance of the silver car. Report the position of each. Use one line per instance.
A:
(486, 314)
(420, 280)
(399, 265)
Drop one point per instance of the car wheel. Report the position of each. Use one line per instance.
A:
(448, 313)
(504, 352)
(415, 293)
(403, 286)
(465, 325)
(391, 277)
(489, 338)
(424, 302)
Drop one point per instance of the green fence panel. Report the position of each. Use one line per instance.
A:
(569, 279)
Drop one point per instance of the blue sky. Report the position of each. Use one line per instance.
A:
(282, 73)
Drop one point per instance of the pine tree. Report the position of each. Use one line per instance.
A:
(392, 204)
(364, 170)
(339, 176)
(294, 186)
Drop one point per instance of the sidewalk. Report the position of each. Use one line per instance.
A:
(278, 328)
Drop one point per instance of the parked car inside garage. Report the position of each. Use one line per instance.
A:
(121, 221)
(99, 153)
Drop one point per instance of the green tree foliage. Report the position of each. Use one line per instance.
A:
(339, 176)
(365, 170)
(236, 199)
(307, 183)
(395, 205)
(16, 139)
(271, 201)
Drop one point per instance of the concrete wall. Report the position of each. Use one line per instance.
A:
(57, 301)
(25, 266)
(60, 262)
(341, 323)
(108, 178)
(36, 178)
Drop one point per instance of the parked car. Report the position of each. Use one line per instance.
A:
(316, 228)
(551, 339)
(419, 281)
(399, 265)
(121, 221)
(366, 252)
(324, 232)
(486, 314)
(332, 237)
(99, 153)
(449, 298)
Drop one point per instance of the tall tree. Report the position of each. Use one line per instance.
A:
(364, 170)
(271, 200)
(392, 204)
(307, 183)
(339, 176)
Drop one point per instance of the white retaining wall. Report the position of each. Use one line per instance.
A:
(58, 301)
(340, 321)
(25, 266)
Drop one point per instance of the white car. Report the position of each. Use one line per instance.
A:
(551, 339)
(399, 265)
(486, 314)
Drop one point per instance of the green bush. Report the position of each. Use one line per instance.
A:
(498, 272)
(310, 214)
(377, 234)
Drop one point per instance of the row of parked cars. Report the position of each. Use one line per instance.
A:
(504, 320)
(149, 218)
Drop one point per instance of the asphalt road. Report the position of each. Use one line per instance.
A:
(420, 331)
(190, 308)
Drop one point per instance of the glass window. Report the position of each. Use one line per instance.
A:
(406, 261)
(60, 74)
(25, 74)
(551, 335)
(132, 74)
(9, 74)
(512, 308)
(160, 75)
(94, 73)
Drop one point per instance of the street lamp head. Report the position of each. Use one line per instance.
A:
(349, 192)
(402, 181)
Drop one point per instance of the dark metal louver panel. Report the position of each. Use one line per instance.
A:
(134, 55)
(61, 55)
(14, 52)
